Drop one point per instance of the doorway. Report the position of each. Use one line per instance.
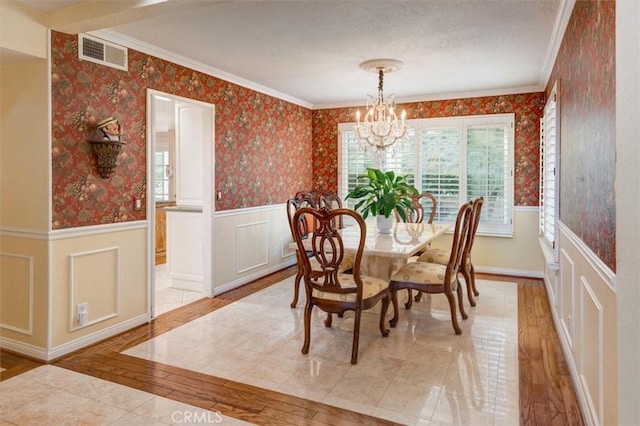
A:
(180, 186)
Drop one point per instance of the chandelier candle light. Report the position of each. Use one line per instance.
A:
(380, 127)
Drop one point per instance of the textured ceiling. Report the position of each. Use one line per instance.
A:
(309, 50)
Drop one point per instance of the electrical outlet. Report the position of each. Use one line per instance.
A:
(83, 313)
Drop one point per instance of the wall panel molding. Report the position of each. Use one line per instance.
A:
(33, 234)
(253, 276)
(593, 323)
(92, 257)
(608, 276)
(28, 276)
(108, 228)
(247, 210)
(255, 236)
(591, 359)
(566, 302)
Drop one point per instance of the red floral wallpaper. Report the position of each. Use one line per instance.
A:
(527, 108)
(263, 144)
(585, 69)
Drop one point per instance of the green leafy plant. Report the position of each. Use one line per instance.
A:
(383, 194)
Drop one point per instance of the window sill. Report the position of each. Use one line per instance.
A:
(549, 255)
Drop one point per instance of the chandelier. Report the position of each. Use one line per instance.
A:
(380, 126)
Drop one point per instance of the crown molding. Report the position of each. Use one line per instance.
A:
(132, 43)
(557, 35)
(442, 96)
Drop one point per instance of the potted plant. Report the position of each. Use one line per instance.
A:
(383, 194)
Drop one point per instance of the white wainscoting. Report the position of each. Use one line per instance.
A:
(185, 261)
(250, 243)
(591, 350)
(94, 279)
(585, 316)
(566, 290)
(16, 293)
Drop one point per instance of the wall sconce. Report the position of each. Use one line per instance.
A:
(107, 145)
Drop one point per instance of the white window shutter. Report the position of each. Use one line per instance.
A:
(455, 158)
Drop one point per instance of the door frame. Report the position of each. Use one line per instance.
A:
(208, 206)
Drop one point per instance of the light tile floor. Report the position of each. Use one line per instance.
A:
(167, 297)
(50, 395)
(421, 374)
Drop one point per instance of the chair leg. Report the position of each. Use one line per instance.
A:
(454, 315)
(329, 320)
(296, 287)
(418, 297)
(356, 336)
(307, 327)
(473, 279)
(383, 314)
(460, 302)
(467, 280)
(409, 300)
(394, 300)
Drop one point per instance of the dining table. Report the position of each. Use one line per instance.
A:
(384, 254)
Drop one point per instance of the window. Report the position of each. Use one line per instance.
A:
(162, 176)
(549, 154)
(455, 158)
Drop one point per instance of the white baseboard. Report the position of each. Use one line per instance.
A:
(66, 348)
(22, 348)
(248, 278)
(568, 357)
(513, 272)
(90, 339)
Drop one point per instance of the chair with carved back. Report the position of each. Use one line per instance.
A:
(316, 200)
(417, 215)
(433, 278)
(438, 255)
(331, 201)
(332, 291)
(418, 211)
(304, 225)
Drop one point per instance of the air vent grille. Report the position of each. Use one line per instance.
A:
(102, 52)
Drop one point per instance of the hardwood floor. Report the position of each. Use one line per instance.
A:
(547, 396)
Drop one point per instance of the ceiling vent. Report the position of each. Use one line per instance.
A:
(102, 52)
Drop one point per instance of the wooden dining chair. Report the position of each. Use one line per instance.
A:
(434, 278)
(331, 201)
(302, 227)
(417, 212)
(321, 199)
(441, 256)
(311, 200)
(332, 291)
(416, 215)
